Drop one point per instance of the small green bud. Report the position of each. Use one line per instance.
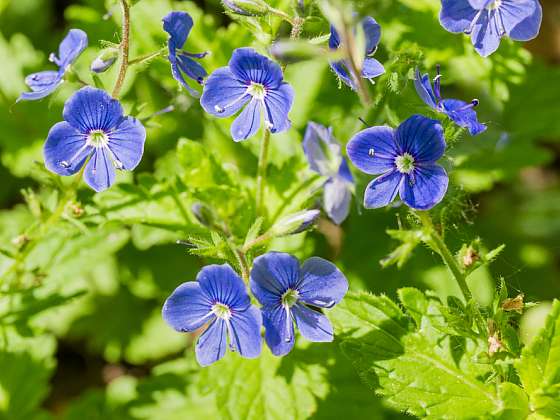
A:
(104, 60)
(203, 214)
(295, 223)
(247, 7)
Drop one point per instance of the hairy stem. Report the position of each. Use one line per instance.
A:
(261, 172)
(123, 50)
(147, 57)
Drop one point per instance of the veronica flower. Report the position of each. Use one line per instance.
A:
(324, 155)
(254, 83)
(405, 159)
(487, 21)
(94, 128)
(289, 293)
(371, 67)
(45, 82)
(218, 299)
(178, 25)
(462, 113)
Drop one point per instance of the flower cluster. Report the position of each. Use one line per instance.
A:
(288, 294)
(97, 139)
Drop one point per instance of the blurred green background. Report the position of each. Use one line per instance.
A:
(81, 332)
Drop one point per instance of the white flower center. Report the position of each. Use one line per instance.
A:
(494, 4)
(97, 139)
(257, 90)
(221, 311)
(290, 298)
(405, 163)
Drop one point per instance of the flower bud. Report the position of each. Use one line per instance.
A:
(203, 214)
(247, 7)
(295, 223)
(104, 60)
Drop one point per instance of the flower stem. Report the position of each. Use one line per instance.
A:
(290, 198)
(281, 14)
(261, 172)
(147, 57)
(124, 45)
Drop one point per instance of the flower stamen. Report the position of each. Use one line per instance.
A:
(405, 163)
(221, 311)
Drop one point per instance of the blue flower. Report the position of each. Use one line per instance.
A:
(217, 298)
(45, 82)
(256, 82)
(371, 67)
(178, 25)
(287, 291)
(462, 113)
(324, 155)
(94, 128)
(406, 160)
(487, 21)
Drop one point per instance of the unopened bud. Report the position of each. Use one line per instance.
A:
(470, 257)
(203, 214)
(247, 7)
(494, 344)
(104, 60)
(20, 240)
(295, 223)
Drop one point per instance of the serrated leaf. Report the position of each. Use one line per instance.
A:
(414, 370)
(539, 367)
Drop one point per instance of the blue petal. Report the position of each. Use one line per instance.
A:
(463, 117)
(425, 187)
(279, 329)
(334, 39)
(100, 170)
(341, 70)
(249, 66)
(521, 18)
(456, 15)
(272, 274)
(187, 308)
(372, 32)
(71, 47)
(245, 334)
(373, 150)
(486, 34)
(422, 138)
(424, 89)
(344, 172)
(126, 141)
(321, 149)
(278, 103)
(92, 109)
(191, 68)
(322, 284)
(313, 325)
(223, 285)
(178, 75)
(372, 68)
(382, 190)
(211, 345)
(65, 150)
(223, 94)
(42, 84)
(178, 25)
(336, 199)
(248, 121)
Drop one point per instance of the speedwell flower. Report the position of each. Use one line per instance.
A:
(94, 128)
(371, 67)
(462, 113)
(45, 82)
(256, 82)
(218, 297)
(324, 155)
(178, 25)
(487, 21)
(406, 160)
(287, 291)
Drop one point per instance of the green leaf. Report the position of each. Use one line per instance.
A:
(539, 367)
(515, 402)
(417, 371)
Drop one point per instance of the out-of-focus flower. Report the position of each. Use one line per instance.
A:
(45, 82)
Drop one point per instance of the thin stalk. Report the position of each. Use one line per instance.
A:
(124, 47)
(302, 186)
(146, 57)
(241, 260)
(282, 15)
(261, 172)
